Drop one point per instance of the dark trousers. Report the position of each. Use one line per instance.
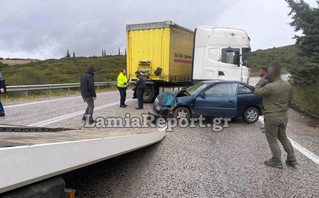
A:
(140, 93)
(122, 91)
(90, 107)
(1, 106)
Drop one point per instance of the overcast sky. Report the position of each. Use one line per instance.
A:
(47, 28)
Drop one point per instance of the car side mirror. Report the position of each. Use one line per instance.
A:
(202, 95)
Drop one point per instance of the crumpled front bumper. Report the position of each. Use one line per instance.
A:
(162, 110)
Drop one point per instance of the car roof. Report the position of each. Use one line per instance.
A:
(224, 81)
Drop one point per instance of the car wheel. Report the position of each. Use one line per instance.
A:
(182, 112)
(251, 115)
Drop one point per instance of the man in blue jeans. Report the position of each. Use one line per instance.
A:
(3, 89)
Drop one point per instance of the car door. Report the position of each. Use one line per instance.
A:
(220, 100)
(246, 98)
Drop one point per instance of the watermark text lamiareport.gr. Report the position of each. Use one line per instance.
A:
(151, 121)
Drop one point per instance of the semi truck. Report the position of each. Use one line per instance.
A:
(170, 55)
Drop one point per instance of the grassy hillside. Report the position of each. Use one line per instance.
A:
(17, 61)
(275, 56)
(62, 70)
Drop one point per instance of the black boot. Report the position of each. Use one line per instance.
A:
(292, 163)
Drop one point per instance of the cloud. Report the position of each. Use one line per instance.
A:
(266, 22)
(46, 29)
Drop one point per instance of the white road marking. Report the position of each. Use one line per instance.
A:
(53, 100)
(162, 129)
(304, 151)
(298, 147)
(67, 116)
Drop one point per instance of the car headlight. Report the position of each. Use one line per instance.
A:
(156, 100)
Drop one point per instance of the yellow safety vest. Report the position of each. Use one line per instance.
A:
(121, 79)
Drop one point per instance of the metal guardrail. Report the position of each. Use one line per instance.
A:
(49, 87)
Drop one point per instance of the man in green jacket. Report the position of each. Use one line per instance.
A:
(277, 94)
(122, 86)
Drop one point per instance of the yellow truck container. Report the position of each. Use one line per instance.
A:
(162, 52)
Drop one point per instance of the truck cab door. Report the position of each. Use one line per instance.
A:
(220, 100)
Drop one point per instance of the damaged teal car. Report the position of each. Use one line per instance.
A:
(228, 99)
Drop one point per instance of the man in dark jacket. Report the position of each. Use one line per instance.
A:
(3, 89)
(88, 93)
(140, 87)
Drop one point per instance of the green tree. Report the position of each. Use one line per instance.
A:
(305, 67)
(73, 54)
(103, 52)
(67, 54)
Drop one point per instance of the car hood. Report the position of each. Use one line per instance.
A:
(167, 98)
(173, 98)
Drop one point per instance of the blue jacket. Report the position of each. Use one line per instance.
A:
(3, 85)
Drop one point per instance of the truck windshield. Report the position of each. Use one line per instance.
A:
(246, 53)
(195, 89)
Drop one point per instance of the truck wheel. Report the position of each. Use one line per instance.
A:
(251, 115)
(149, 94)
(182, 112)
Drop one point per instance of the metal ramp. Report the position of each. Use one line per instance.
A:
(33, 157)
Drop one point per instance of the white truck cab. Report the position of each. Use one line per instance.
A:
(221, 54)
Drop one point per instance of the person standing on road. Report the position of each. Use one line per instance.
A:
(276, 97)
(88, 93)
(122, 86)
(140, 87)
(3, 89)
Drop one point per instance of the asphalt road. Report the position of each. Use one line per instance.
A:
(188, 162)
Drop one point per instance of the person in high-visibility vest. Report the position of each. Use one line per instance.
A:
(122, 86)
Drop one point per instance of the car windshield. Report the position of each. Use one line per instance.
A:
(195, 89)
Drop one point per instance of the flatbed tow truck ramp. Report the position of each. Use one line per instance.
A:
(30, 157)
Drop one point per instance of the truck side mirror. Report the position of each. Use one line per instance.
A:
(237, 59)
(183, 89)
